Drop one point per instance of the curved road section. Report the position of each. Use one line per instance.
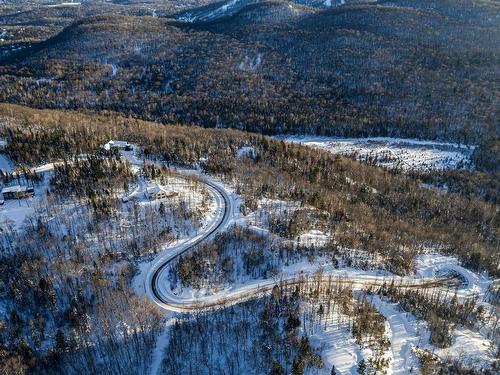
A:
(156, 280)
(157, 284)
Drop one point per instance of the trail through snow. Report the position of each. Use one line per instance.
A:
(161, 344)
(340, 349)
(403, 335)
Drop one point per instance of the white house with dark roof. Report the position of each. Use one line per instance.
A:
(119, 145)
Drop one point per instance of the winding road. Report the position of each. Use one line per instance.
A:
(157, 284)
(158, 273)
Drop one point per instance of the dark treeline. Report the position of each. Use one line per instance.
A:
(414, 69)
(367, 208)
(467, 183)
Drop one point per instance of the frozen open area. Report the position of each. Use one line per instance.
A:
(397, 153)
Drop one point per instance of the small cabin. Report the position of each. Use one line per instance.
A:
(17, 192)
(119, 145)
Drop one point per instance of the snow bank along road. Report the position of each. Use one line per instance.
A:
(156, 282)
(157, 276)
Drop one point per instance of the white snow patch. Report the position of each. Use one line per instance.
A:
(471, 348)
(6, 165)
(403, 334)
(397, 153)
(251, 64)
(114, 70)
(246, 151)
(432, 265)
(70, 4)
(337, 345)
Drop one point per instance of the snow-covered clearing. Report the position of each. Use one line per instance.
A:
(14, 212)
(400, 153)
(435, 265)
(337, 346)
(246, 151)
(250, 64)
(471, 348)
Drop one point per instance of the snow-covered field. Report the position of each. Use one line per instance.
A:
(337, 345)
(14, 212)
(399, 153)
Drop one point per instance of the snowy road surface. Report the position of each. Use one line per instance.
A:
(157, 285)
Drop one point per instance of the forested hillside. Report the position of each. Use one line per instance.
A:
(262, 187)
(421, 69)
(366, 207)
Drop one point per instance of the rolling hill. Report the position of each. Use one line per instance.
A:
(419, 69)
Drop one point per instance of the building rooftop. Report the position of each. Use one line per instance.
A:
(15, 189)
(117, 144)
(156, 188)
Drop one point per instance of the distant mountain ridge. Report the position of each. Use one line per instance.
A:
(401, 68)
(229, 8)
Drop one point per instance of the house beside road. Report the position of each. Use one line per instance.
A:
(17, 192)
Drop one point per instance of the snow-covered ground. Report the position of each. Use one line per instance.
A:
(404, 335)
(407, 334)
(471, 348)
(337, 345)
(6, 164)
(400, 153)
(436, 265)
(15, 211)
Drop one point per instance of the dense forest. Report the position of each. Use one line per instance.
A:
(365, 207)
(416, 69)
(160, 215)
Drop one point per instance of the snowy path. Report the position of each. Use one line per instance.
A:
(341, 350)
(161, 343)
(403, 336)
